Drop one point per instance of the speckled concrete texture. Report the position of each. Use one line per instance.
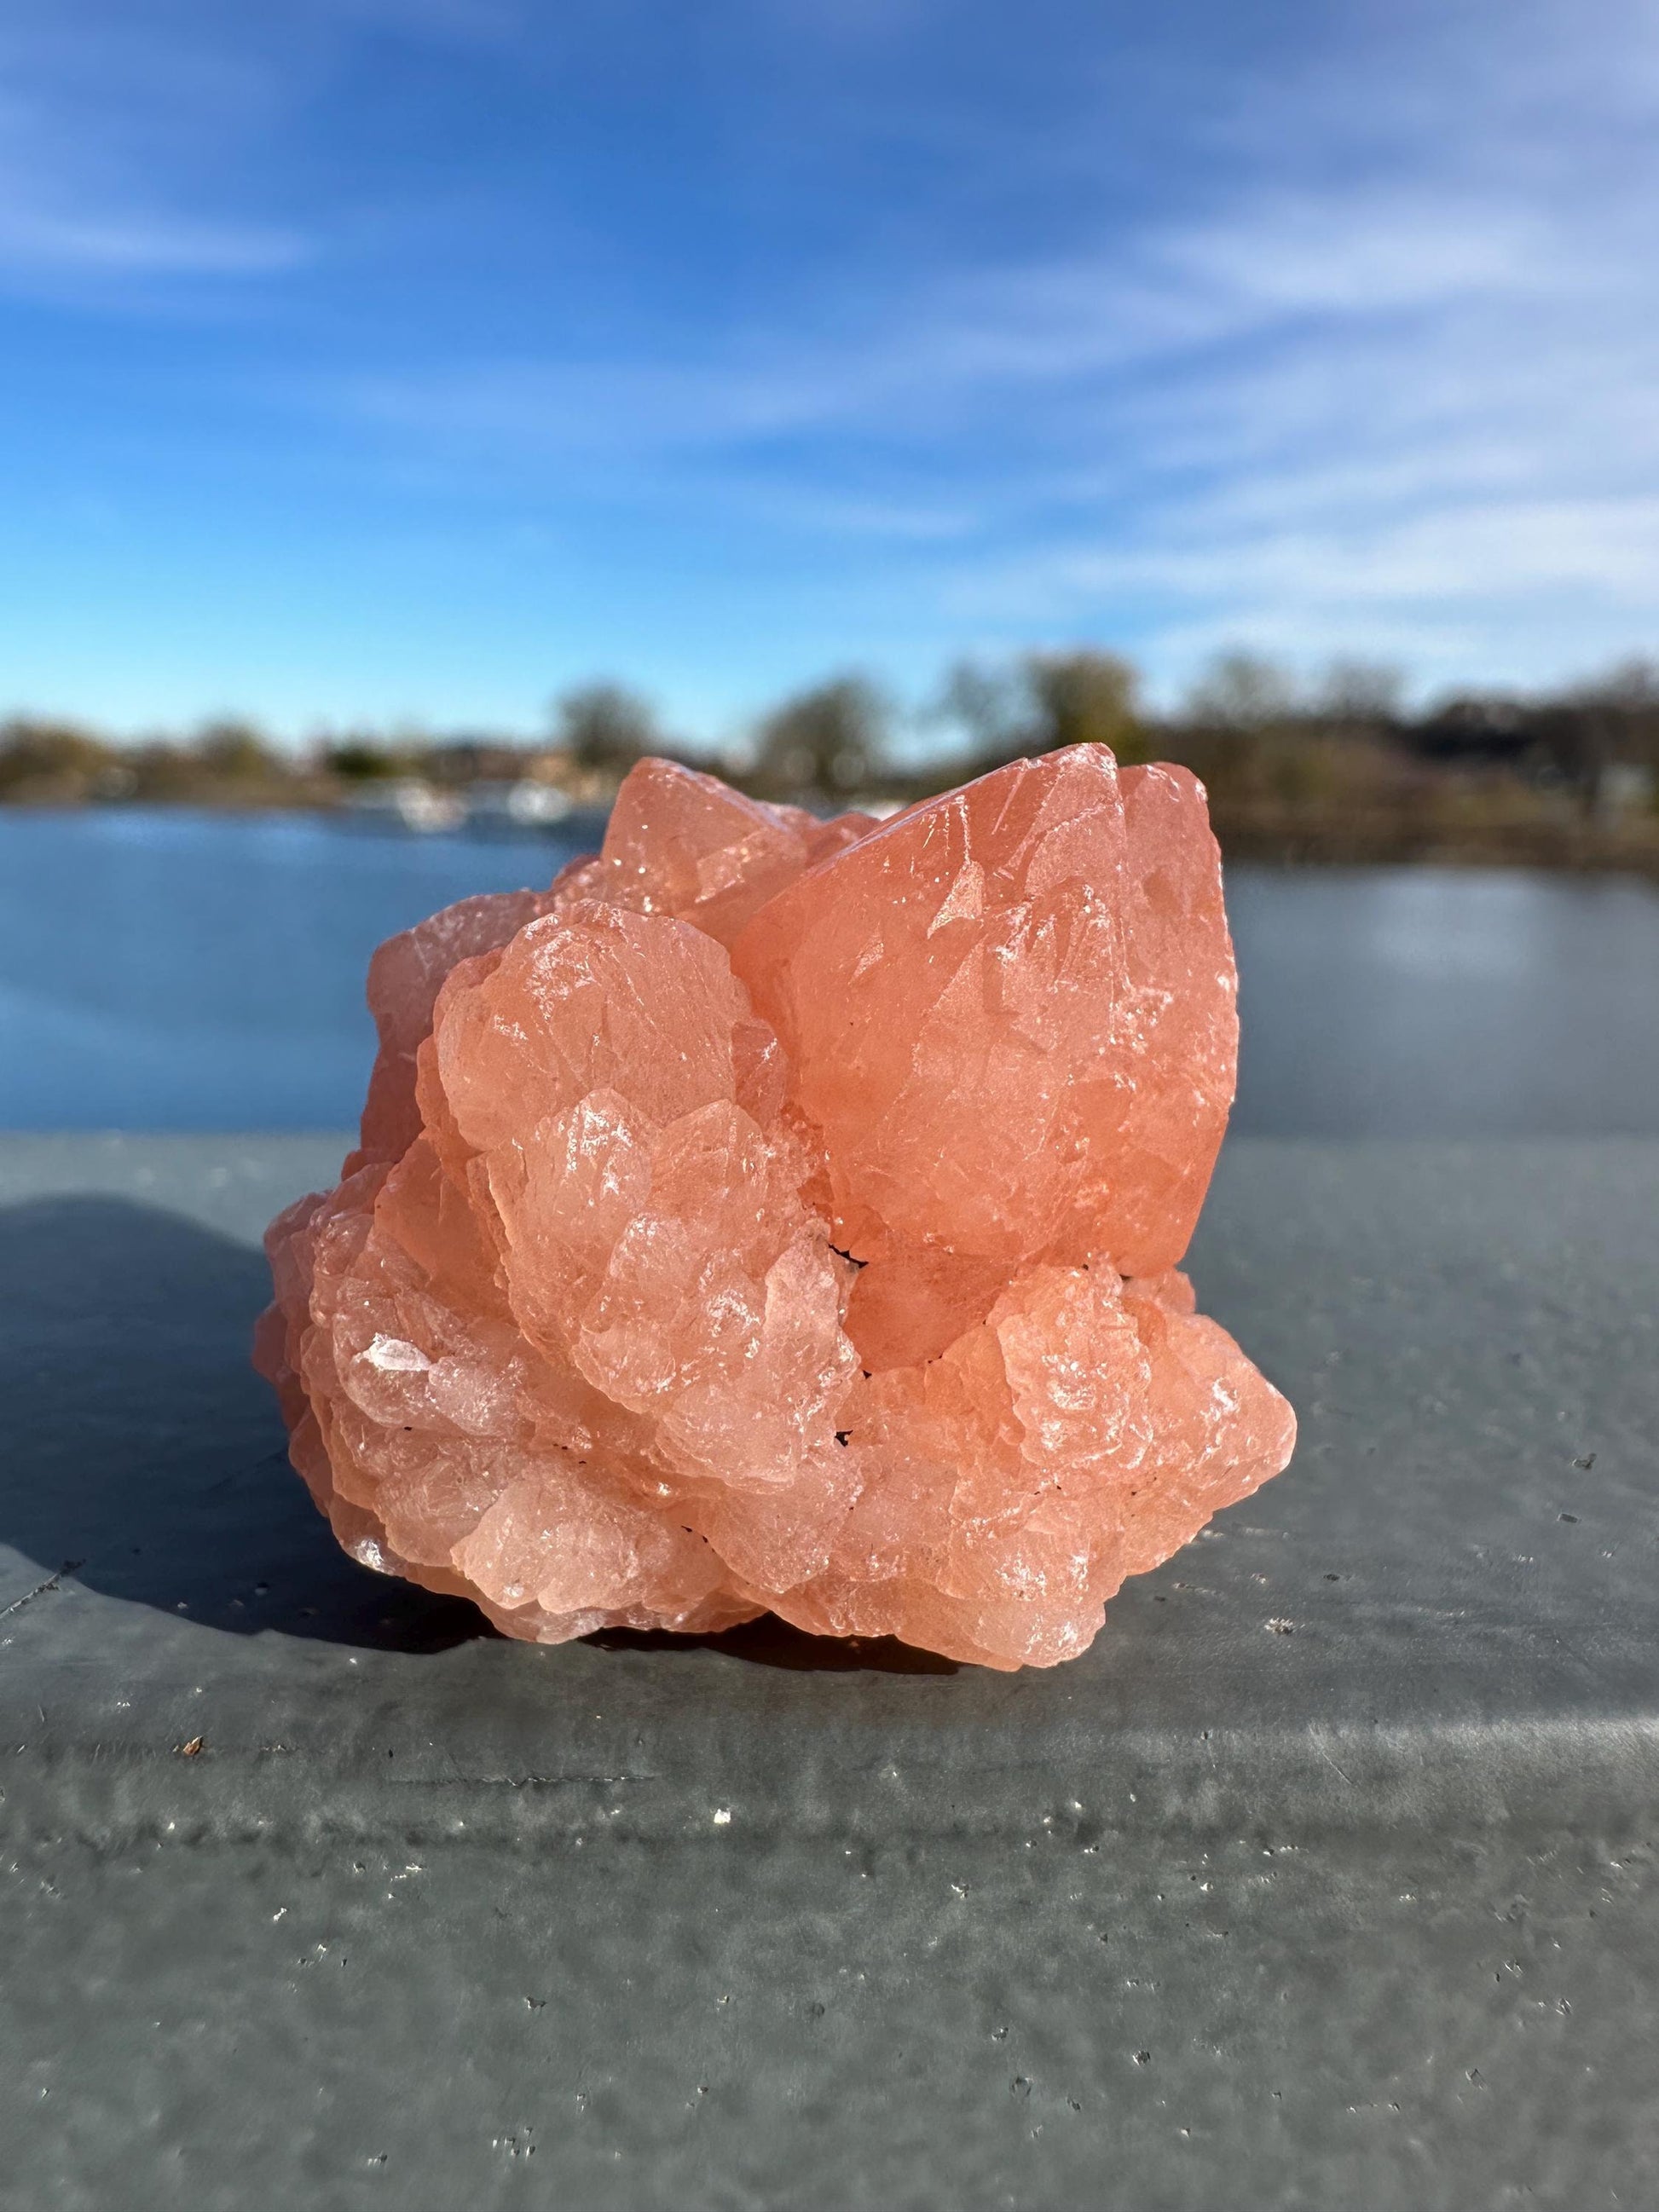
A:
(1326, 1878)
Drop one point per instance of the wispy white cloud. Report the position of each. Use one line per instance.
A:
(128, 243)
(1432, 435)
(95, 147)
(1369, 365)
(1455, 557)
(1366, 414)
(1407, 409)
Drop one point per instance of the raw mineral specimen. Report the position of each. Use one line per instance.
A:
(784, 1215)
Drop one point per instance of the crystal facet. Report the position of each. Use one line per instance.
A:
(783, 1215)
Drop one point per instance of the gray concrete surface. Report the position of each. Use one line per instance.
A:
(1325, 1879)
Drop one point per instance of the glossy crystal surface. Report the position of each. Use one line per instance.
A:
(775, 1214)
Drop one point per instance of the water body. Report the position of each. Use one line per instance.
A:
(179, 970)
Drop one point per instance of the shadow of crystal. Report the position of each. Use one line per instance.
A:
(145, 1457)
(143, 1448)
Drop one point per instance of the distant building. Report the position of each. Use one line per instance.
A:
(521, 804)
(404, 802)
(1477, 730)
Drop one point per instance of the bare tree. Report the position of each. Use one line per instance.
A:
(1367, 693)
(991, 704)
(1084, 697)
(1631, 686)
(832, 740)
(236, 751)
(605, 726)
(1241, 691)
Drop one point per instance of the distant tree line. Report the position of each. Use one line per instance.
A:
(1337, 767)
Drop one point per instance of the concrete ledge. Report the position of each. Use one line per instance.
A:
(1419, 1665)
(1462, 1565)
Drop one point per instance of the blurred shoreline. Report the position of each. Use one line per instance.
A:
(1280, 836)
(1340, 777)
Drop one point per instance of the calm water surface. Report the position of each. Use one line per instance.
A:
(172, 971)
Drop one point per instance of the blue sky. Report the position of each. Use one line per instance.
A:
(416, 358)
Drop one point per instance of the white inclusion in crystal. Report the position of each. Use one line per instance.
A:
(367, 1553)
(966, 899)
(394, 1357)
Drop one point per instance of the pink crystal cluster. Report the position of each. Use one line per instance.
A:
(781, 1214)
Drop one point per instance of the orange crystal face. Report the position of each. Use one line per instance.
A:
(783, 1215)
